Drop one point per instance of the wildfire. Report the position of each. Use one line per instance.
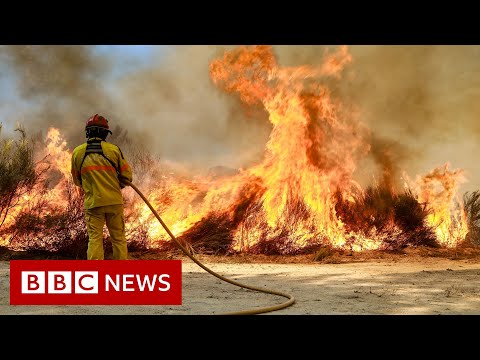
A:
(439, 189)
(292, 196)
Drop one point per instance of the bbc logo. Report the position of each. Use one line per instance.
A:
(95, 282)
(59, 282)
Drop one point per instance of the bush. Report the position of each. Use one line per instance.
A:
(398, 218)
(471, 202)
(212, 235)
(59, 231)
(18, 173)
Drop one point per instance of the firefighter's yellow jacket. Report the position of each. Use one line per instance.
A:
(98, 176)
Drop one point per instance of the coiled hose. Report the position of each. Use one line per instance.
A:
(291, 299)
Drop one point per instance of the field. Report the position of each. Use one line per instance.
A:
(412, 282)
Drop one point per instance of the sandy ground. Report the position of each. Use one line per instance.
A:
(395, 285)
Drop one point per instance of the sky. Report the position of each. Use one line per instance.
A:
(421, 102)
(123, 59)
(130, 57)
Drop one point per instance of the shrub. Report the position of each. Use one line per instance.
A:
(471, 202)
(398, 218)
(20, 175)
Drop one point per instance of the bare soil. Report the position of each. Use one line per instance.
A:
(415, 281)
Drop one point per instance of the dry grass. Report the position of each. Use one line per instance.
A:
(60, 231)
(471, 202)
(211, 236)
(398, 218)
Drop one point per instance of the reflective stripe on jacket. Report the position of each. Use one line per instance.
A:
(98, 177)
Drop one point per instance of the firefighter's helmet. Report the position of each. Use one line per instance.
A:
(97, 121)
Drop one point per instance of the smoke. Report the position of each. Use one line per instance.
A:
(171, 107)
(61, 86)
(388, 155)
(182, 115)
(420, 102)
(423, 99)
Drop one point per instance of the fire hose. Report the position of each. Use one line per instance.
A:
(290, 298)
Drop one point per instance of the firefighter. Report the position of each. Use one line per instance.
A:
(99, 167)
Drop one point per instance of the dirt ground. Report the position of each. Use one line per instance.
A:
(407, 283)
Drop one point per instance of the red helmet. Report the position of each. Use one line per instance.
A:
(97, 121)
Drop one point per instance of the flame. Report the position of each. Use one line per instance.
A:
(312, 153)
(56, 148)
(439, 189)
(314, 145)
(54, 157)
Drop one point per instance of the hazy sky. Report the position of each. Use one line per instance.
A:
(122, 59)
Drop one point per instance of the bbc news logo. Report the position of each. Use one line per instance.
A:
(95, 282)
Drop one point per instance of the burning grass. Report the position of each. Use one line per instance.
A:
(60, 231)
(301, 198)
(399, 219)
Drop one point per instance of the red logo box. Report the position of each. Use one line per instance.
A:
(95, 282)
